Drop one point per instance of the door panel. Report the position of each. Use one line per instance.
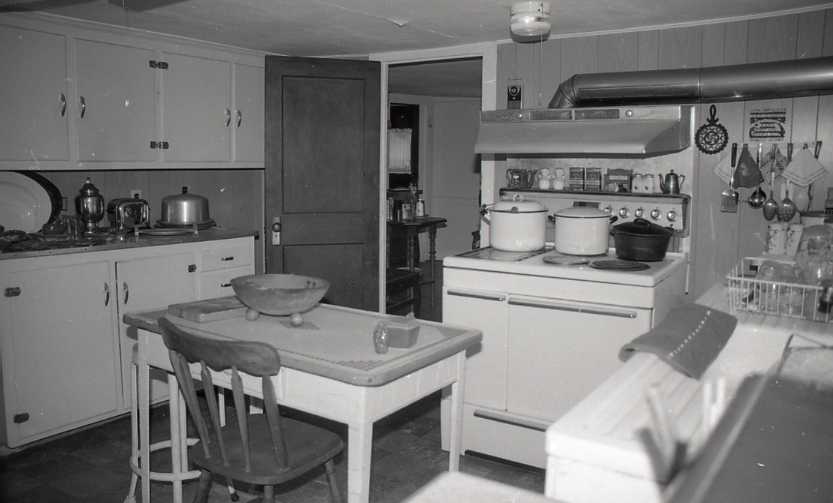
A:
(322, 173)
(118, 87)
(34, 100)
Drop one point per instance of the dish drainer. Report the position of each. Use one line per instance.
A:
(777, 298)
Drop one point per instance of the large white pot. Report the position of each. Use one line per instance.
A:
(517, 224)
(582, 230)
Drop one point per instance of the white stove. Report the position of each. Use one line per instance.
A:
(552, 329)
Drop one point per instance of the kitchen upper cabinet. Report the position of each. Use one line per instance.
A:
(248, 120)
(34, 96)
(79, 99)
(196, 109)
(60, 356)
(115, 109)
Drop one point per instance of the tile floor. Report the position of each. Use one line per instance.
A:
(91, 465)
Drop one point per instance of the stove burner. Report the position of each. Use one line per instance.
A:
(565, 260)
(619, 265)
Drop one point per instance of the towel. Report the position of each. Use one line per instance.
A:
(804, 168)
(688, 339)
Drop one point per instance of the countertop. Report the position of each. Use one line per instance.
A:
(334, 341)
(602, 430)
(464, 488)
(143, 241)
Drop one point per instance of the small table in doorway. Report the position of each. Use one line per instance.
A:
(411, 229)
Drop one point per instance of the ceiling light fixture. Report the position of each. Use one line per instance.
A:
(530, 19)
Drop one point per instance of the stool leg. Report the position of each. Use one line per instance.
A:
(134, 433)
(144, 426)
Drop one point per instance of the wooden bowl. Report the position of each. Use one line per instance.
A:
(279, 294)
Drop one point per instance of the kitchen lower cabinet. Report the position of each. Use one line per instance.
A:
(34, 96)
(60, 357)
(66, 356)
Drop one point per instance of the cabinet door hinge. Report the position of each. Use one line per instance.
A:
(21, 418)
(12, 291)
(159, 65)
(154, 144)
(164, 145)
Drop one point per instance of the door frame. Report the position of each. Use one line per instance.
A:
(487, 51)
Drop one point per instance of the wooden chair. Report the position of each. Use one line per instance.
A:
(260, 449)
(399, 281)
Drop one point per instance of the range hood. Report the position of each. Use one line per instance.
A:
(631, 118)
(629, 130)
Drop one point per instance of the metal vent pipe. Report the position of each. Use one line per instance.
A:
(754, 81)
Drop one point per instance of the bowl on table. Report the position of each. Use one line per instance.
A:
(279, 294)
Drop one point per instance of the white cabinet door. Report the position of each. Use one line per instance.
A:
(34, 99)
(249, 106)
(559, 351)
(486, 363)
(60, 354)
(148, 283)
(115, 109)
(197, 114)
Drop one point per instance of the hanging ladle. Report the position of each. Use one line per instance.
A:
(771, 205)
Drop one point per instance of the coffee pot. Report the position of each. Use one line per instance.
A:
(89, 204)
(671, 182)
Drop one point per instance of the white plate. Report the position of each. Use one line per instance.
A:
(24, 203)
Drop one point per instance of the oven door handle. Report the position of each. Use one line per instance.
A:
(481, 296)
(574, 308)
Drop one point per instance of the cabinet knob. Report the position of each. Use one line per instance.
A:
(106, 294)
(239, 118)
(126, 292)
(192, 267)
(228, 117)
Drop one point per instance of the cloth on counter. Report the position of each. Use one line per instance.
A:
(689, 338)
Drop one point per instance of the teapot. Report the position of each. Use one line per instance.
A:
(671, 182)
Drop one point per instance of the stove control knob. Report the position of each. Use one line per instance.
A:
(671, 216)
(638, 212)
(624, 212)
(608, 209)
(655, 213)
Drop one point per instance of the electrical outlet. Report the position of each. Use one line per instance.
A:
(135, 194)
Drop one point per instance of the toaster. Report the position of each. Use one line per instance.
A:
(126, 213)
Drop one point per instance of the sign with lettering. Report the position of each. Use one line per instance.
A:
(770, 122)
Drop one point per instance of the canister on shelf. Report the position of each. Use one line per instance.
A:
(420, 207)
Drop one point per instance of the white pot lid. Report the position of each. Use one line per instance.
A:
(518, 205)
(581, 212)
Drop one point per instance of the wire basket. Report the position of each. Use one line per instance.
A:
(792, 300)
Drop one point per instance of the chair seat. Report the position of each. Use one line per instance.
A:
(308, 447)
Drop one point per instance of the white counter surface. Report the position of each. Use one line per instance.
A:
(598, 439)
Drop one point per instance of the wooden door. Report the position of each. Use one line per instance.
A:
(117, 87)
(196, 110)
(34, 100)
(322, 174)
(60, 356)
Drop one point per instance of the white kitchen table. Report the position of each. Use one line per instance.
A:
(329, 368)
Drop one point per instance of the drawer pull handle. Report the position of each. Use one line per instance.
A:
(126, 292)
(192, 267)
(575, 309)
(63, 101)
(497, 298)
(83, 106)
(511, 421)
(225, 285)
(226, 259)
(239, 118)
(106, 294)
(12, 291)
(21, 418)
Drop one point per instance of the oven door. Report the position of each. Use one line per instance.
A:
(566, 349)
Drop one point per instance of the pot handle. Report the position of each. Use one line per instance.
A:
(613, 218)
(483, 210)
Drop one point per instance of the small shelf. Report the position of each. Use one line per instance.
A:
(652, 195)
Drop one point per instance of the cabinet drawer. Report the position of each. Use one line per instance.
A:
(218, 283)
(227, 257)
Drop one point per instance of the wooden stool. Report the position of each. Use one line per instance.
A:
(399, 281)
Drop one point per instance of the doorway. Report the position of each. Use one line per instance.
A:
(435, 106)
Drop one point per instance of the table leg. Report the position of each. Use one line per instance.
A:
(144, 427)
(456, 427)
(359, 448)
(410, 244)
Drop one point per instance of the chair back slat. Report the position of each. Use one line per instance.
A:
(255, 358)
(213, 409)
(242, 420)
(270, 407)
